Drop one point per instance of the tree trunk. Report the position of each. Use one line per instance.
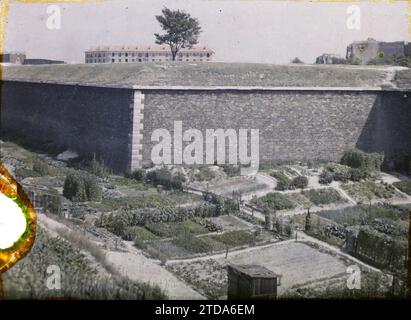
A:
(174, 54)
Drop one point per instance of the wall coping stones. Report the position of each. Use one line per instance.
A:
(216, 88)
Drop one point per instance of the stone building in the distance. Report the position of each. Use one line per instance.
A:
(365, 51)
(152, 53)
(12, 57)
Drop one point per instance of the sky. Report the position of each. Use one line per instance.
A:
(262, 31)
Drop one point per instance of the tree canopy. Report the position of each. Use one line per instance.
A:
(181, 30)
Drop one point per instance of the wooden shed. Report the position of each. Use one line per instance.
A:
(251, 282)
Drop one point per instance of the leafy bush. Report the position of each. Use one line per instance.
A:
(300, 182)
(98, 168)
(231, 170)
(283, 182)
(41, 167)
(75, 188)
(137, 175)
(208, 224)
(166, 179)
(93, 190)
(80, 188)
(404, 186)
(274, 200)
(222, 205)
(204, 174)
(340, 172)
(357, 174)
(297, 60)
(355, 158)
(322, 196)
(343, 173)
(326, 177)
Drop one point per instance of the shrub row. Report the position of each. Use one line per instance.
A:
(343, 173)
(285, 183)
(119, 222)
(355, 158)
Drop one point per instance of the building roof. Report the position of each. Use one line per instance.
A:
(151, 48)
(210, 74)
(254, 271)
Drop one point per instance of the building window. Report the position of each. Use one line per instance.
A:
(139, 60)
(112, 60)
(119, 60)
(126, 60)
(126, 54)
(146, 55)
(208, 55)
(113, 54)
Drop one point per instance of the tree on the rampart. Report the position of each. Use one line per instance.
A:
(181, 30)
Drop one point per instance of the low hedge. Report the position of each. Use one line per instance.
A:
(356, 158)
(404, 186)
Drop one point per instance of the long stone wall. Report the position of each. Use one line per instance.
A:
(294, 125)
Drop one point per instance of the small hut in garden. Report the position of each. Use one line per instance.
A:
(252, 282)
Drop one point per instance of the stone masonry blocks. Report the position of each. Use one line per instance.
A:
(136, 135)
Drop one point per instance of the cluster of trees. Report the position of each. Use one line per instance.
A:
(355, 165)
(81, 187)
(285, 183)
(163, 177)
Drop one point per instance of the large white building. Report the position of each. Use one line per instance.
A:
(154, 53)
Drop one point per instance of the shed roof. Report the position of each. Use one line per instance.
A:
(254, 271)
